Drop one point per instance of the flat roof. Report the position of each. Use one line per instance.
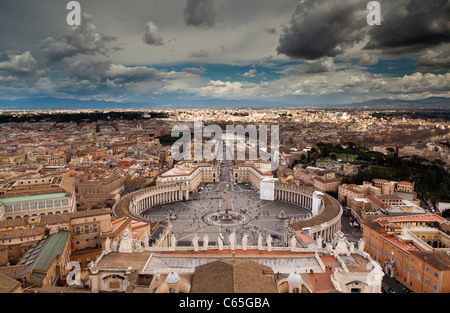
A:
(405, 246)
(33, 198)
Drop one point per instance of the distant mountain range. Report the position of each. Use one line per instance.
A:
(429, 103)
(51, 103)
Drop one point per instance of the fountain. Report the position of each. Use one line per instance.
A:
(282, 215)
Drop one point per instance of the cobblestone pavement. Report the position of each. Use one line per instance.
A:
(190, 215)
(263, 215)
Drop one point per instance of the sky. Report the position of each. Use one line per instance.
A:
(302, 52)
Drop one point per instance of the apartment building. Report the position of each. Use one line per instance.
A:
(322, 179)
(252, 172)
(412, 250)
(108, 184)
(37, 196)
(192, 173)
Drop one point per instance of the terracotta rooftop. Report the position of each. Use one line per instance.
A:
(331, 211)
(408, 246)
(8, 284)
(136, 260)
(233, 276)
(438, 259)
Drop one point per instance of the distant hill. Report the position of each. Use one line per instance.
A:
(52, 103)
(429, 103)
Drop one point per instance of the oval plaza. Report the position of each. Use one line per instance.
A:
(222, 220)
(213, 199)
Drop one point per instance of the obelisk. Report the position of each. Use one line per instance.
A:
(226, 216)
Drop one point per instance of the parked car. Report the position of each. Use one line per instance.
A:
(406, 290)
(390, 290)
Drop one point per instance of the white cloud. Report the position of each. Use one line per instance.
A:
(367, 60)
(251, 73)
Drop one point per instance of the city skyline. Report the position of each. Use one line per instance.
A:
(287, 53)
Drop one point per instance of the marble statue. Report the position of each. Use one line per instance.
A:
(138, 246)
(329, 247)
(260, 243)
(133, 205)
(126, 243)
(293, 243)
(173, 241)
(320, 242)
(361, 244)
(195, 242)
(269, 242)
(375, 277)
(205, 241)
(244, 242)
(220, 241)
(232, 239)
(108, 244)
(146, 244)
(340, 241)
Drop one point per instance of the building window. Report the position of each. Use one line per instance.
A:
(426, 281)
(435, 287)
(427, 269)
(171, 290)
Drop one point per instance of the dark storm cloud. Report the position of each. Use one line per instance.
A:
(323, 29)
(194, 70)
(78, 40)
(435, 59)
(87, 69)
(271, 30)
(411, 26)
(19, 64)
(199, 54)
(152, 36)
(200, 13)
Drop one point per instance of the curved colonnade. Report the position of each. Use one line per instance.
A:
(325, 223)
(137, 202)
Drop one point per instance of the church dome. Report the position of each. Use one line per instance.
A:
(173, 279)
(295, 279)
